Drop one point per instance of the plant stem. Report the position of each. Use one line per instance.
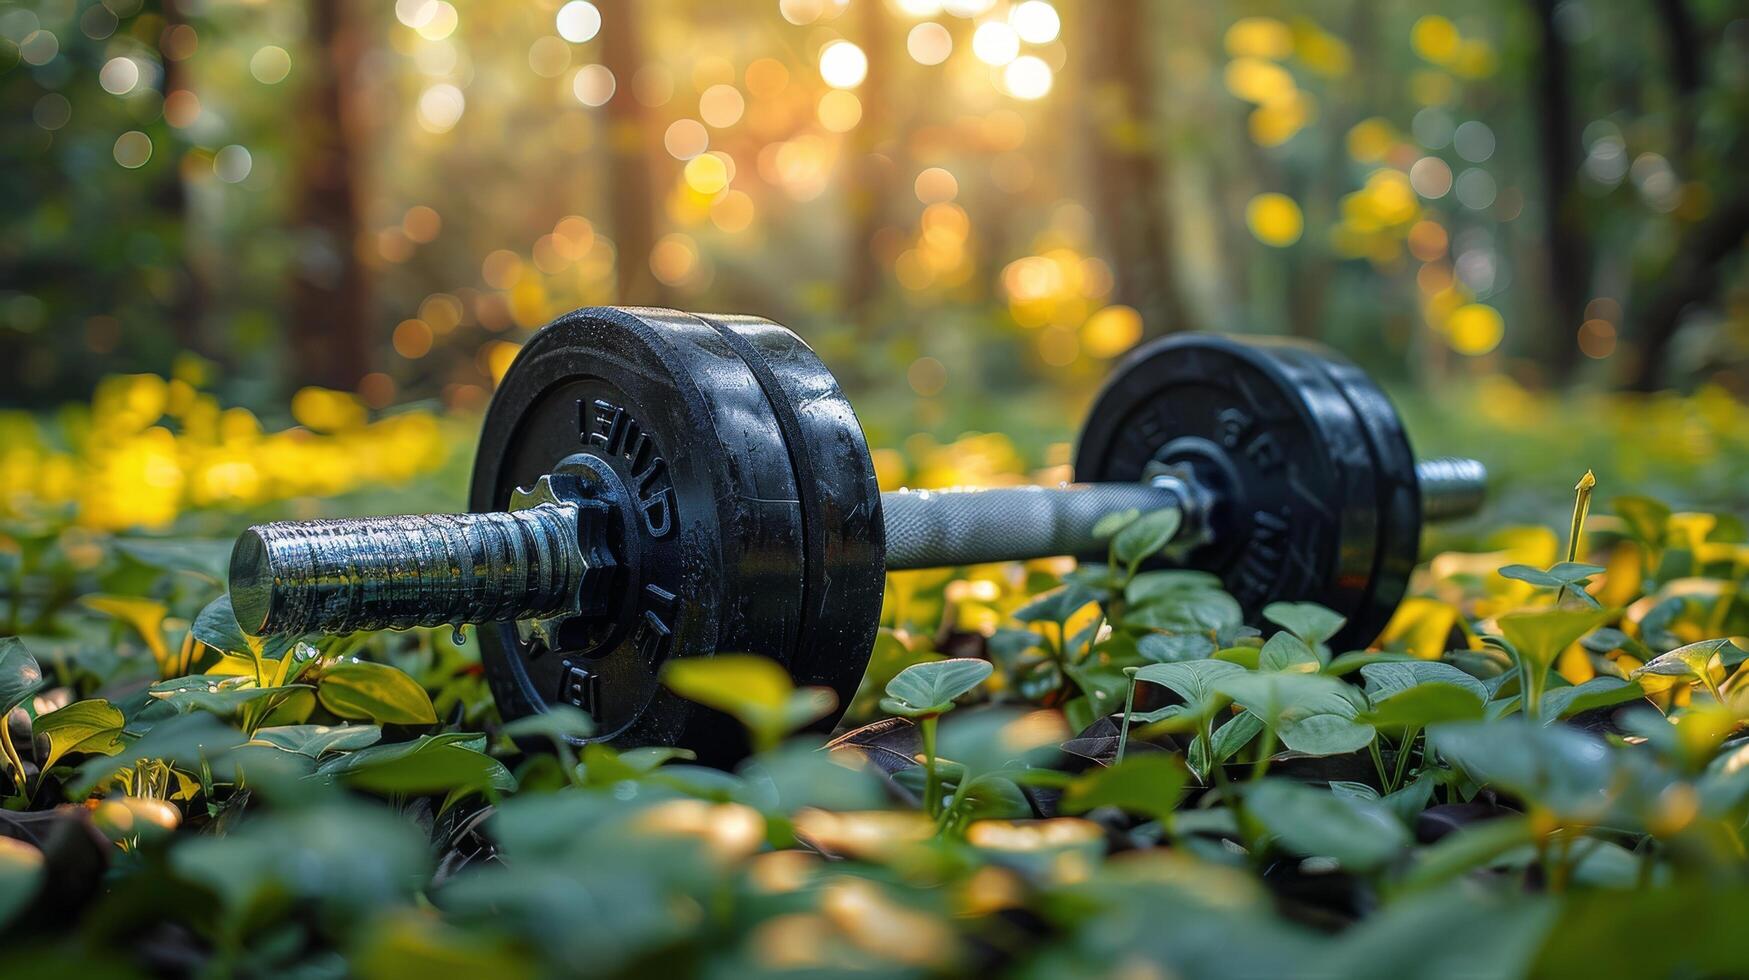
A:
(1093, 637)
(1208, 748)
(1378, 764)
(12, 757)
(1123, 733)
(1581, 504)
(1265, 749)
(1530, 693)
(950, 814)
(931, 787)
(1405, 749)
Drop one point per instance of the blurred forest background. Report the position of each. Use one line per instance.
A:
(321, 212)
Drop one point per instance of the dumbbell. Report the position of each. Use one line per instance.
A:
(651, 484)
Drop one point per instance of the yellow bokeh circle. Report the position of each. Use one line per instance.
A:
(1474, 329)
(1275, 219)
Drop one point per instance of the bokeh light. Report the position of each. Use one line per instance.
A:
(119, 76)
(721, 106)
(441, 107)
(935, 185)
(132, 149)
(843, 65)
(1027, 77)
(233, 163)
(995, 43)
(929, 43)
(685, 139)
(578, 21)
(1035, 21)
(270, 65)
(1274, 219)
(593, 85)
(1475, 329)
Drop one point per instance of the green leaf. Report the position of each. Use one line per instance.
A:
(1147, 783)
(1055, 607)
(1193, 681)
(224, 696)
(1360, 834)
(1309, 621)
(756, 691)
(1693, 661)
(1564, 769)
(1384, 680)
(92, 726)
(1311, 713)
(1646, 518)
(1104, 685)
(986, 741)
(187, 742)
(1471, 848)
(930, 689)
(1566, 573)
(20, 675)
(1453, 934)
(1539, 637)
(1235, 735)
(208, 558)
(21, 873)
(1114, 522)
(1410, 800)
(216, 626)
(1143, 538)
(558, 723)
(1164, 648)
(375, 692)
(1189, 611)
(1287, 652)
(145, 616)
(1348, 663)
(1425, 704)
(1598, 692)
(428, 764)
(350, 859)
(1148, 587)
(316, 741)
(798, 774)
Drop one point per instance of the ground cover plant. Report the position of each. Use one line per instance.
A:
(1049, 770)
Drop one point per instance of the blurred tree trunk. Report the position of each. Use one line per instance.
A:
(871, 185)
(630, 198)
(1692, 274)
(188, 304)
(329, 322)
(1131, 178)
(1691, 277)
(1565, 244)
(1684, 50)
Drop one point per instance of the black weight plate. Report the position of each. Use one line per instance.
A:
(1268, 431)
(1399, 489)
(708, 534)
(843, 539)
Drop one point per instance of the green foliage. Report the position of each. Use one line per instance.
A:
(377, 693)
(930, 689)
(754, 690)
(293, 804)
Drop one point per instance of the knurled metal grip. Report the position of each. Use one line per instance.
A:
(938, 528)
(941, 528)
(400, 572)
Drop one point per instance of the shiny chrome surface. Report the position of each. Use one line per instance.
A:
(400, 572)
